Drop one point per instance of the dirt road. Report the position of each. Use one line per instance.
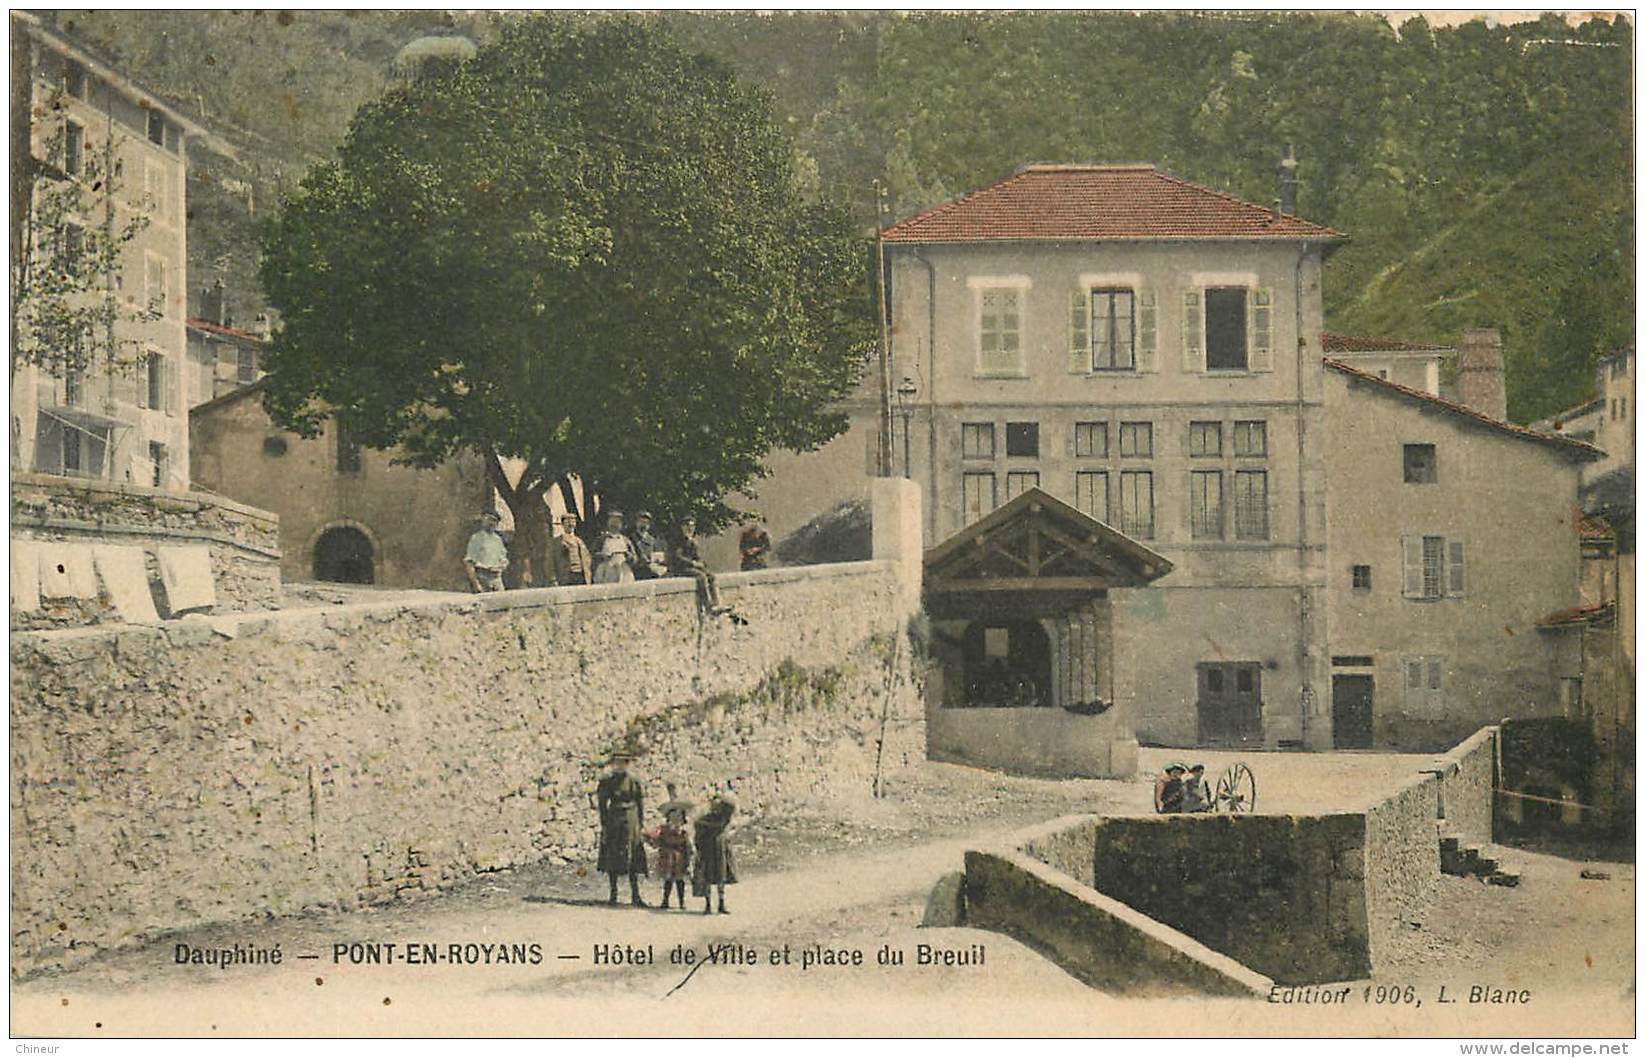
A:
(827, 898)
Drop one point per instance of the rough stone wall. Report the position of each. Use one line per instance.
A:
(172, 776)
(243, 541)
(1284, 895)
(1468, 782)
(1401, 861)
(1096, 938)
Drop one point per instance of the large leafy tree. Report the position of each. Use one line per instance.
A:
(583, 249)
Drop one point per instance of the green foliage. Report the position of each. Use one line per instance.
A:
(64, 307)
(583, 248)
(1483, 172)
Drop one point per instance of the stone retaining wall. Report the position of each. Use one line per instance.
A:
(1093, 936)
(1298, 898)
(213, 769)
(244, 542)
(1468, 781)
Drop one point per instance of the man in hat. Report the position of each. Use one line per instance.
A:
(687, 561)
(1196, 796)
(1168, 789)
(650, 557)
(572, 562)
(621, 801)
(487, 555)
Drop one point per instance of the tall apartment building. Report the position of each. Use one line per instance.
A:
(124, 418)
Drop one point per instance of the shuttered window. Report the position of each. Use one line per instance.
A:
(1251, 504)
(1113, 330)
(1206, 501)
(1434, 567)
(1091, 440)
(978, 493)
(1137, 504)
(999, 330)
(1091, 493)
(1018, 482)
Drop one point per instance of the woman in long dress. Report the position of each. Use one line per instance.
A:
(614, 561)
(714, 867)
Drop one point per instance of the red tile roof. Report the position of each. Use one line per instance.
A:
(225, 332)
(1344, 343)
(1575, 615)
(1137, 201)
(1571, 445)
(1593, 527)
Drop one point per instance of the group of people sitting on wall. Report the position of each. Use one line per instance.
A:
(1183, 789)
(620, 555)
(1002, 685)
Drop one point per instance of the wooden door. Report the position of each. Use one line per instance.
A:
(1230, 702)
(1351, 697)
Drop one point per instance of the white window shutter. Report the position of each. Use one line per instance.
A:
(1193, 333)
(1411, 546)
(1262, 329)
(1454, 579)
(1079, 332)
(1147, 332)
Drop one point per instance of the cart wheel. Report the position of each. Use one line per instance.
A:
(1237, 790)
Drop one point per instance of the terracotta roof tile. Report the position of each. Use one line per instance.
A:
(209, 327)
(1345, 343)
(1575, 615)
(1137, 201)
(1555, 440)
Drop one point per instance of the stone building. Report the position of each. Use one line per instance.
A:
(1451, 533)
(1151, 354)
(126, 420)
(347, 513)
(1415, 365)
(221, 357)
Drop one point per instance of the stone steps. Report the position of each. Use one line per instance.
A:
(1473, 861)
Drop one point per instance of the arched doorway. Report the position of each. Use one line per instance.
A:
(344, 554)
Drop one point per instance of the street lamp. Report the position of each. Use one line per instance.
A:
(905, 408)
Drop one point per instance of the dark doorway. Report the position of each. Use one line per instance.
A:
(1351, 712)
(1230, 702)
(1007, 663)
(344, 554)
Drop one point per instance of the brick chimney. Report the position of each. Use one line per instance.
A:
(1480, 384)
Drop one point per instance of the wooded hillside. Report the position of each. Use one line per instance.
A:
(1484, 173)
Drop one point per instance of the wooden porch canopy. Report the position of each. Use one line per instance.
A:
(1040, 547)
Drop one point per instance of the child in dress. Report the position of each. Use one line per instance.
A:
(673, 846)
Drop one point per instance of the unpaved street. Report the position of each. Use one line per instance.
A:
(826, 890)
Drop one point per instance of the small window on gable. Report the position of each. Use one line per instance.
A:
(348, 450)
(1022, 439)
(1362, 578)
(977, 440)
(156, 127)
(1421, 465)
(74, 79)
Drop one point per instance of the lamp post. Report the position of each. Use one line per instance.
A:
(905, 409)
